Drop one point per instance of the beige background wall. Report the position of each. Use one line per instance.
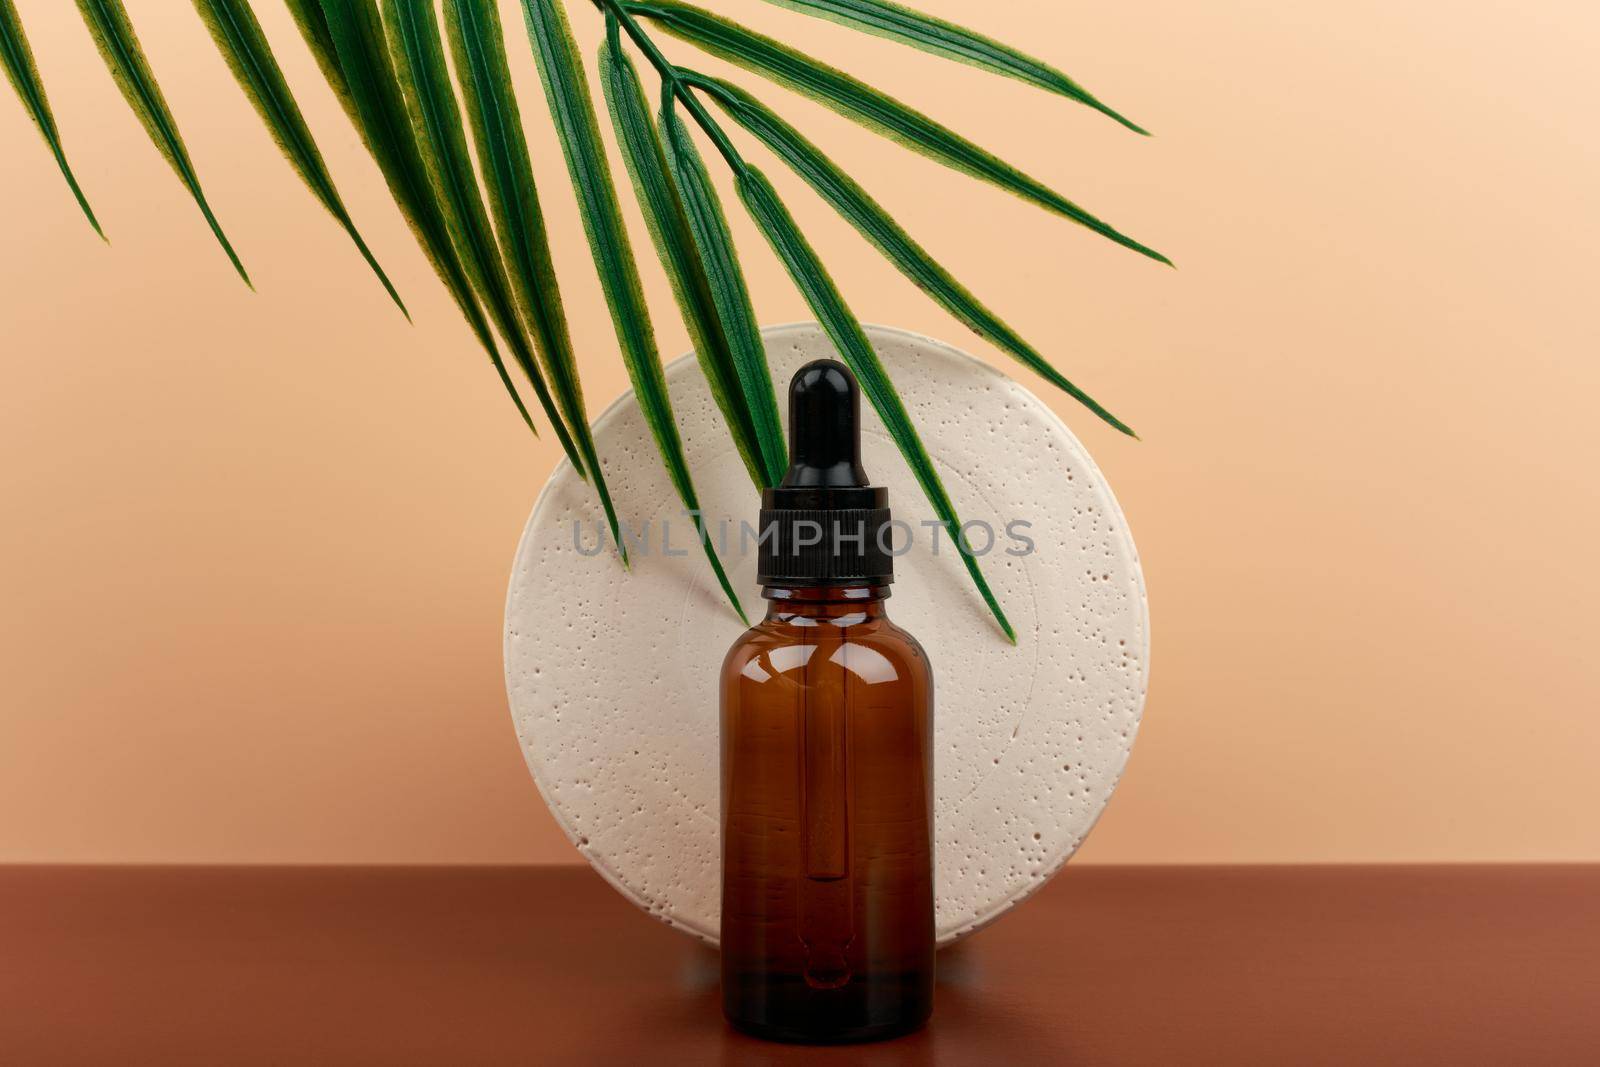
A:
(255, 546)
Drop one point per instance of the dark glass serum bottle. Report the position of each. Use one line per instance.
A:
(827, 758)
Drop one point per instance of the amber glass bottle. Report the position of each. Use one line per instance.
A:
(827, 759)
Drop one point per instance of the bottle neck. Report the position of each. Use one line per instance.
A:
(812, 604)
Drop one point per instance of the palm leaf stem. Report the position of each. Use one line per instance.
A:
(865, 105)
(569, 99)
(673, 83)
(812, 279)
(710, 245)
(668, 222)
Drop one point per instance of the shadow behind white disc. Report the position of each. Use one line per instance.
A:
(612, 673)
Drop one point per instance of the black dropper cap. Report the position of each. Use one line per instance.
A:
(824, 524)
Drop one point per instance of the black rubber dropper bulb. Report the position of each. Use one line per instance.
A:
(826, 521)
(824, 428)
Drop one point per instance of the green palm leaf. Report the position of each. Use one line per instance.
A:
(669, 231)
(566, 91)
(675, 244)
(413, 29)
(119, 47)
(17, 57)
(347, 37)
(884, 18)
(239, 38)
(814, 283)
(477, 46)
(863, 104)
(721, 259)
(313, 24)
(858, 208)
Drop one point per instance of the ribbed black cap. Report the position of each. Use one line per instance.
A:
(824, 525)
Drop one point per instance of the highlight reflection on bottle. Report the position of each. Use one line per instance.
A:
(827, 759)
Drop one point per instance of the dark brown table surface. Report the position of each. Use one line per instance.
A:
(464, 966)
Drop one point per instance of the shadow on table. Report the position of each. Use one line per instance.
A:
(971, 1025)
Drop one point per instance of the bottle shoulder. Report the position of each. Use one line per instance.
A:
(770, 633)
(877, 650)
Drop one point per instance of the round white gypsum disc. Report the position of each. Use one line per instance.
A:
(612, 673)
